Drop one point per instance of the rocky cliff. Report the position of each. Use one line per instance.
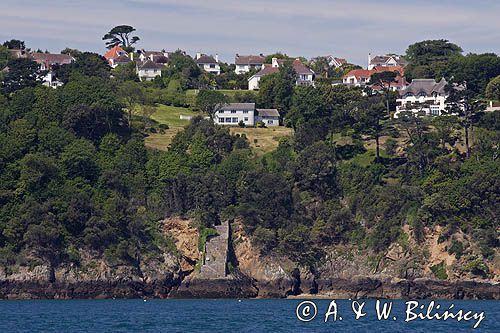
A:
(346, 272)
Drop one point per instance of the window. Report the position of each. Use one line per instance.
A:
(235, 120)
(228, 120)
(212, 65)
(233, 111)
(246, 118)
(245, 111)
(221, 120)
(221, 111)
(270, 122)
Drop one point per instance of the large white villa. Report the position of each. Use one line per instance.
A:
(233, 113)
(423, 96)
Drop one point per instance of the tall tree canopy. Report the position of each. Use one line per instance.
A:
(120, 35)
(14, 44)
(427, 59)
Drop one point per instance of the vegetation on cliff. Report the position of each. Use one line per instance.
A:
(75, 174)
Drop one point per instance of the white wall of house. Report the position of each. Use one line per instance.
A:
(148, 74)
(253, 83)
(233, 117)
(268, 121)
(431, 105)
(356, 81)
(49, 80)
(211, 68)
(242, 69)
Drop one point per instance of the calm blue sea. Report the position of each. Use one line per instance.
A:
(225, 316)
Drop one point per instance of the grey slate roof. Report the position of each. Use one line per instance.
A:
(268, 113)
(204, 59)
(148, 64)
(238, 106)
(249, 60)
(426, 86)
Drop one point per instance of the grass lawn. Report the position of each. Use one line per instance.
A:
(229, 93)
(170, 115)
(267, 139)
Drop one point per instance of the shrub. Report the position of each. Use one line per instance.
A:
(439, 271)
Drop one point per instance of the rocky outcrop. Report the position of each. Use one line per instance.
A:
(94, 278)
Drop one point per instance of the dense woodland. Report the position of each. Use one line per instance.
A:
(76, 177)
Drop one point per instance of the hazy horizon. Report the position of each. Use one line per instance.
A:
(344, 28)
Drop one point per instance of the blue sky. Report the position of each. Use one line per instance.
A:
(345, 28)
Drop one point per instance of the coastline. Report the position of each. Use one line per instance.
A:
(361, 288)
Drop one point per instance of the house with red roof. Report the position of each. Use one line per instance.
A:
(116, 56)
(305, 75)
(361, 77)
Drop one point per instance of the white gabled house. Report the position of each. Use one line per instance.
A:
(423, 96)
(233, 113)
(305, 75)
(388, 60)
(208, 63)
(246, 63)
(148, 70)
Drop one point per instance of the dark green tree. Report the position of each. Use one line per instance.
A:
(121, 35)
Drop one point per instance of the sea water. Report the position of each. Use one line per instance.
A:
(246, 315)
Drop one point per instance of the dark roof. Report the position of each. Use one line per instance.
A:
(427, 86)
(300, 68)
(204, 59)
(268, 113)
(148, 64)
(267, 69)
(249, 59)
(52, 58)
(238, 106)
(122, 59)
(297, 65)
(160, 59)
(155, 53)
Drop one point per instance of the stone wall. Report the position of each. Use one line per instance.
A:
(216, 253)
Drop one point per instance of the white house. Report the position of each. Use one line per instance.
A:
(208, 63)
(389, 60)
(305, 76)
(269, 117)
(233, 113)
(50, 80)
(424, 96)
(148, 70)
(246, 63)
(361, 77)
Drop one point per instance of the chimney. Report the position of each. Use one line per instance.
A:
(274, 62)
(216, 58)
(198, 55)
(131, 54)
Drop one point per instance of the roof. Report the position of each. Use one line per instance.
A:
(268, 112)
(204, 59)
(52, 58)
(297, 65)
(114, 53)
(155, 53)
(382, 59)
(148, 64)
(122, 59)
(238, 106)
(249, 59)
(300, 68)
(427, 86)
(267, 69)
(366, 73)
